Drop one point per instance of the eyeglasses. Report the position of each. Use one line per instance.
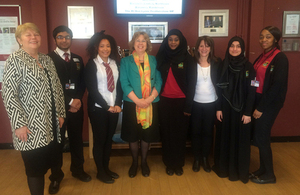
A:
(68, 37)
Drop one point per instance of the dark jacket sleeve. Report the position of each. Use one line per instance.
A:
(218, 89)
(92, 84)
(191, 83)
(119, 97)
(250, 98)
(277, 83)
(81, 83)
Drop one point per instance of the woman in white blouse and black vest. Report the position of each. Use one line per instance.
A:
(104, 99)
(204, 105)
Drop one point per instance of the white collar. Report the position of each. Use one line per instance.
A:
(61, 52)
(101, 61)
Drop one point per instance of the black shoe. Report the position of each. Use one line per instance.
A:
(112, 174)
(105, 178)
(145, 170)
(196, 166)
(82, 176)
(206, 165)
(252, 175)
(179, 171)
(133, 170)
(169, 171)
(263, 181)
(54, 187)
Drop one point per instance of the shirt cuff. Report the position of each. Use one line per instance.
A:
(71, 101)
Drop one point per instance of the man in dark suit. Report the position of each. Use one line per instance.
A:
(69, 68)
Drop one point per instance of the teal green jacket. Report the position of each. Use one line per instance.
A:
(131, 81)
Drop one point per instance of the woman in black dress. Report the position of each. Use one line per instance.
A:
(272, 78)
(234, 109)
(177, 68)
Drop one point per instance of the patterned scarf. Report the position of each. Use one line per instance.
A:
(144, 115)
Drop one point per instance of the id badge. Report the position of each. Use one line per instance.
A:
(255, 83)
(67, 86)
(72, 85)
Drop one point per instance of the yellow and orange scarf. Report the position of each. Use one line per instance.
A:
(144, 115)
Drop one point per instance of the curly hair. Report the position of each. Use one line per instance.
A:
(92, 48)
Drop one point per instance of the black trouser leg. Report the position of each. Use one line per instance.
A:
(262, 136)
(74, 127)
(103, 127)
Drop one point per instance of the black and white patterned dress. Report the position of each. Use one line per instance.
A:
(26, 93)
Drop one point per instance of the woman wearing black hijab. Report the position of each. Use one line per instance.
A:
(234, 109)
(178, 71)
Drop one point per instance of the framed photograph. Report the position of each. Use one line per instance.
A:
(157, 31)
(81, 21)
(291, 24)
(213, 23)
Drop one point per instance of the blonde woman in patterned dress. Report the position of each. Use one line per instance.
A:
(33, 99)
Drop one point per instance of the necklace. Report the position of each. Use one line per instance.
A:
(205, 77)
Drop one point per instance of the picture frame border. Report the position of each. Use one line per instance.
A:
(132, 25)
(219, 32)
(285, 13)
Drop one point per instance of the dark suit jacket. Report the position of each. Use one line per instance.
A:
(275, 83)
(70, 72)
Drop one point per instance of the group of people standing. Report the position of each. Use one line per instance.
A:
(163, 97)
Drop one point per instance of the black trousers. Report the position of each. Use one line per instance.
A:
(173, 127)
(262, 136)
(73, 124)
(202, 126)
(104, 124)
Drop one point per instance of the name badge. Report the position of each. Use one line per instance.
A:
(70, 86)
(255, 83)
(76, 60)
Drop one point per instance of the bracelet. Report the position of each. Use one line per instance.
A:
(153, 97)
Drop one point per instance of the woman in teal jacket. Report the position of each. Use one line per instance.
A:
(141, 83)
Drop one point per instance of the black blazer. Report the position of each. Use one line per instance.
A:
(70, 72)
(185, 78)
(275, 83)
(92, 86)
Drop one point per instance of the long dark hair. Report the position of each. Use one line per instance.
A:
(208, 41)
(92, 48)
(276, 33)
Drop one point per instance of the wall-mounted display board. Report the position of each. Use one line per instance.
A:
(10, 18)
(291, 24)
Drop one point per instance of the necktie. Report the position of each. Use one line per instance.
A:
(110, 77)
(66, 57)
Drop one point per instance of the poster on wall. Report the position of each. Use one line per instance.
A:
(213, 23)
(8, 43)
(291, 24)
(157, 31)
(81, 21)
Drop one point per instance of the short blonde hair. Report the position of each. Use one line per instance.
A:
(24, 27)
(135, 36)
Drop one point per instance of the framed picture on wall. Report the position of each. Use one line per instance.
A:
(157, 31)
(213, 23)
(81, 21)
(291, 24)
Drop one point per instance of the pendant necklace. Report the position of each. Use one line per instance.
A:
(206, 76)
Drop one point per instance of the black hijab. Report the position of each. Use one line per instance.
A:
(166, 54)
(233, 76)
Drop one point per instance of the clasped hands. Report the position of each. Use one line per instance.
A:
(144, 102)
(114, 109)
